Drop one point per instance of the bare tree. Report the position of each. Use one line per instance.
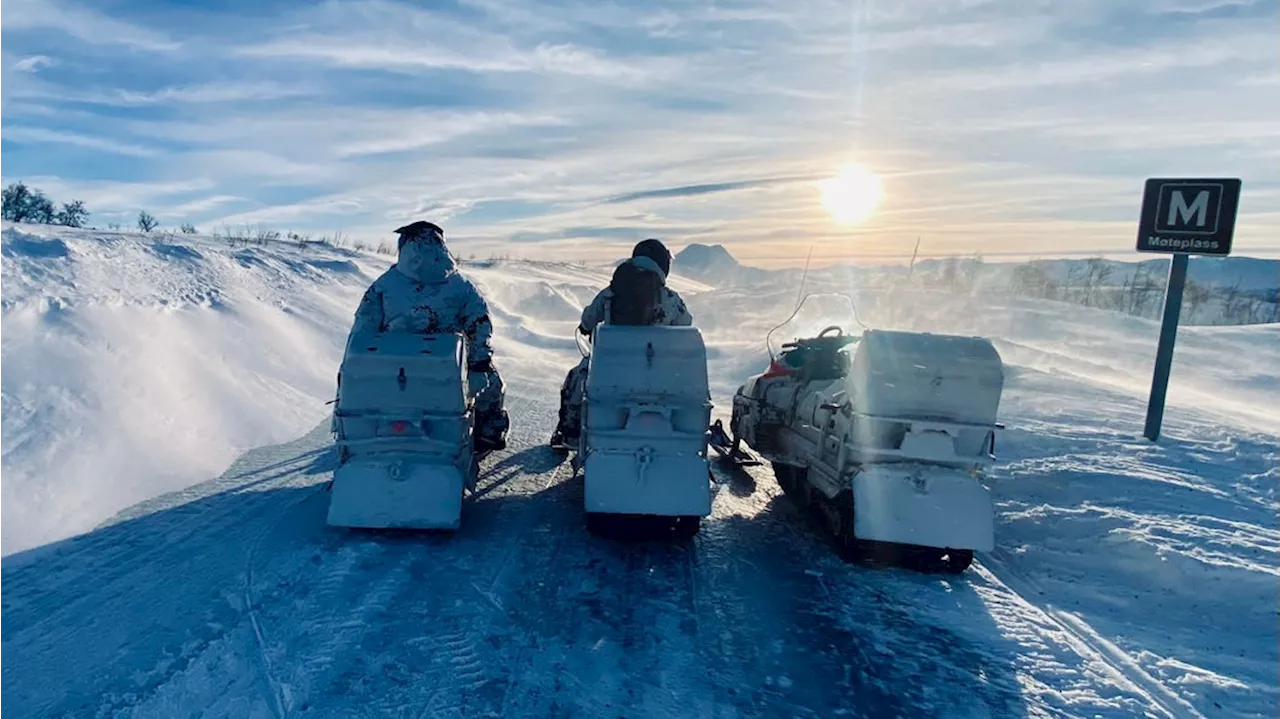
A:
(973, 270)
(1096, 273)
(1142, 289)
(1194, 295)
(40, 209)
(147, 222)
(17, 202)
(949, 274)
(72, 214)
(1232, 302)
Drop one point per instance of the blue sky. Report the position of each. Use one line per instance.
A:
(572, 129)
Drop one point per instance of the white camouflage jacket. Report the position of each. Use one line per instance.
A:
(423, 292)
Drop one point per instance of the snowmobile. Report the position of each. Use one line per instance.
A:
(882, 435)
(403, 425)
(643, 442)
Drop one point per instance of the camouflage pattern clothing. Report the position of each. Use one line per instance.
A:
(423, 292)
(671, 312)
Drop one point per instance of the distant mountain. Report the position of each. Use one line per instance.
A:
(713, 265)
(705, 262)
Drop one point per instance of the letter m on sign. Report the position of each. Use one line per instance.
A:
(1189, 208)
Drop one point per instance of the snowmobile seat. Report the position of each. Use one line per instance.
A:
(403, 425)
(645, 419)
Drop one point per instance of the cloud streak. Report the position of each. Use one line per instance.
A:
(583, 126)
(83, 24)
(710, 188)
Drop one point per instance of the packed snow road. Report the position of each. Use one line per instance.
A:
(234, 598)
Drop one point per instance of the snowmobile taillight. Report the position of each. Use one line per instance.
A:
(399, 426)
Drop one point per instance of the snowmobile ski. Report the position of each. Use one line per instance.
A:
(731, 450)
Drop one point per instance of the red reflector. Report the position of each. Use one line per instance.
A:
(398, 426)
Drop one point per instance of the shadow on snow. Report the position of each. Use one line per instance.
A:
(243, 600)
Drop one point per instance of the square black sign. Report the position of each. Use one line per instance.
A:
(1191, 216)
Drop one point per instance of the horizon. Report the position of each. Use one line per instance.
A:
(990, 128)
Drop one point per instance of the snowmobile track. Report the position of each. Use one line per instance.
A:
(1088, 643)
(402, 619)
(129, 566)
(105, 551)
(276, 691)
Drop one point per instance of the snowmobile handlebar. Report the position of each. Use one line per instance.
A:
(852, 313)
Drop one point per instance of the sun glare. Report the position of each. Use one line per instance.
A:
(852, 195)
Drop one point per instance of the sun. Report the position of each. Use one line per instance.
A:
(852, 195)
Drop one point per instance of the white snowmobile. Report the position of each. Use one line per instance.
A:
(643, 442)
(883, 435)
(403, 425)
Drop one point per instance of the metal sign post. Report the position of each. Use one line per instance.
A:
(1181, 217)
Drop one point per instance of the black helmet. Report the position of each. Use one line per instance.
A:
(656, 251)
(421, 228)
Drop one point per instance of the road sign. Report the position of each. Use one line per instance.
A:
(1193, 216)
(1183, 217)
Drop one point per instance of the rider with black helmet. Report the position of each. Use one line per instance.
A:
(636, 295)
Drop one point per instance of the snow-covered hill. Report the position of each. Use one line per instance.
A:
(1129, 579)
(134, 367)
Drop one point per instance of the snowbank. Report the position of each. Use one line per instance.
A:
(134, 366)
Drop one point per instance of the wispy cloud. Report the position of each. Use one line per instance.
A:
(710, 188)
(583, 125)
(83, 24)
(56, 137)
(34, 63)
(208, 93)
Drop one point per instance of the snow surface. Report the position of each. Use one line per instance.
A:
(1129, 578)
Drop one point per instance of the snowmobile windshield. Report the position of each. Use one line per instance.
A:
(816, 314)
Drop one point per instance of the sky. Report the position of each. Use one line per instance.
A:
(570, 130)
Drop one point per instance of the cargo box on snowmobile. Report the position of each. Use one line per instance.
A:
(645, 416)
(885, 445)
(403, 425)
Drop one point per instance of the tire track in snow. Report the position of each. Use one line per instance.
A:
(152, 530)
(278, 692)
(458, 641)
(408, 618)
(1086, 641)
(126, 615)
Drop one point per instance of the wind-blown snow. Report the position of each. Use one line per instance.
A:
(1129, 578)
(134, 367)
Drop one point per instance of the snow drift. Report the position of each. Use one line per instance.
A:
(135, 366)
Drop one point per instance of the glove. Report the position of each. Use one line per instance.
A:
(484, 366)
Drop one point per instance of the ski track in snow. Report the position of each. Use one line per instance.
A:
(1129, 579)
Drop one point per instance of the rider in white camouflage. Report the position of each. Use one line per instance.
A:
(649, 256)
(423, 292)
